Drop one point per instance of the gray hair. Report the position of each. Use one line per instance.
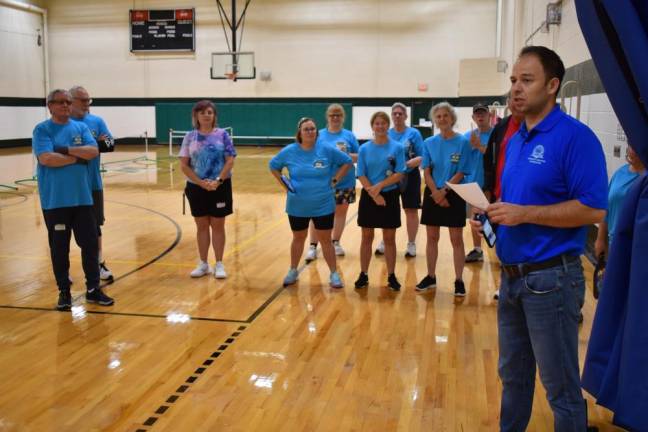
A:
(75, 89)
(399, 105)
(53, 93)
(447, 107)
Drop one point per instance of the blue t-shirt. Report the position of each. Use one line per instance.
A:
(310, 173)
(97, 128)
(379, 161)
(412, 143)
(66, 186)
(207, 153)
(559, 160)
(476, 159)
(346, 142)
(620, 183)
(446, 157)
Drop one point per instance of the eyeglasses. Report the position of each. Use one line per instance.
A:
(61, 102)
(336, 115)
(310, 129)
(397, 113)
(85, 100)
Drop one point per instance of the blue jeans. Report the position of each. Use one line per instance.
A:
(537, 319)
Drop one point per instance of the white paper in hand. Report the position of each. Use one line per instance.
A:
(471, 193)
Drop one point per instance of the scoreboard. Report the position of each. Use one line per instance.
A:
(162, 30)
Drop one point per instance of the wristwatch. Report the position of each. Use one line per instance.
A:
(334, 181)
(219, 180)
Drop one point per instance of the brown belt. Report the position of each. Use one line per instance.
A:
(521, 270)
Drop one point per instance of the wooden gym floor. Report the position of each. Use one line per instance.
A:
(243, 354)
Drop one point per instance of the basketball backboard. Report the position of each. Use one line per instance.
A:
(233, 65)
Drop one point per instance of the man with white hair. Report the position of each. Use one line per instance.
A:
(64, 148)
(80, 111)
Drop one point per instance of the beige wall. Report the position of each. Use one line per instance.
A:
(327, 48)
(21, 58)
(522, 18)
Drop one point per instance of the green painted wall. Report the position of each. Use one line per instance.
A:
(249, 119)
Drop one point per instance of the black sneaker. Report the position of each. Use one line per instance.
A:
(64, 301)
(475, 256)
(393, 283)
(362, 281)
(426, 283)
(98, 296)
(460, 289)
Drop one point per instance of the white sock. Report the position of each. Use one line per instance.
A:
(478, 249)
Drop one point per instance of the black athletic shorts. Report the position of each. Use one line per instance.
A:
(298, 223)
(216, 203)
(435, 215)
(411, 194)
(371, 215)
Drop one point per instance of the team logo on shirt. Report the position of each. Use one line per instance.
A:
(320, 163)
(77, 140)
(454, 158)
(342, 146)
(537, 156)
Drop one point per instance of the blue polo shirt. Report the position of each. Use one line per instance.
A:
(379, 161)
(66, 186)
(446, 157)
(310, 173)
(476, 159)
(412, 143)
(559, 160)
(97, 128)
(346, 142)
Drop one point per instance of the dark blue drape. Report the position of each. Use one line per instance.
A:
(616, 366)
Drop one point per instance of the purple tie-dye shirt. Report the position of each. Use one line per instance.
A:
(207, 153)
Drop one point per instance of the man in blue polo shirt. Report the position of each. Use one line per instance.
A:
(80, 111)
(63, 148)
(553, 187)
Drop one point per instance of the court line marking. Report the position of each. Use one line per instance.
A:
(128, 314)
(151, 420)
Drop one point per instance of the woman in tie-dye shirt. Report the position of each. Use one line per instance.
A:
(206, 158)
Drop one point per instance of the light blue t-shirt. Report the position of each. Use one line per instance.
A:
(379, 161)
(346, 142)
(97, 128)
(207, 153)
(620, 183)
(476, 159)
(412, 143)
(310, 173)
(446, 157)
(66, 186)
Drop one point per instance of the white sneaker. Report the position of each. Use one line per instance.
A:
(219, 270)
(201, 270)
(338, 249)
(311, 255)
(411, 250)
(380, 250)
(104, 273)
